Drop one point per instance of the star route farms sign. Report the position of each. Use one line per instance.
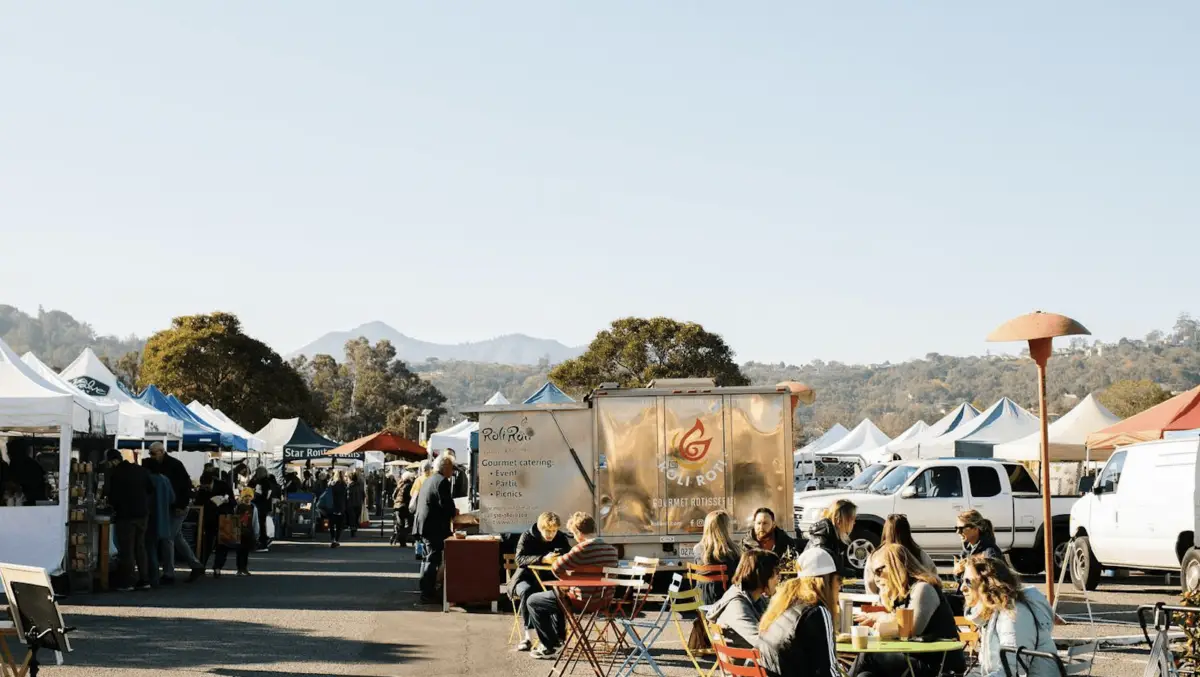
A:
(90, 386)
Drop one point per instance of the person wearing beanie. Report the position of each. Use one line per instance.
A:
(243, 537)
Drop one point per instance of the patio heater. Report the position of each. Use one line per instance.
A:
(1039, 329)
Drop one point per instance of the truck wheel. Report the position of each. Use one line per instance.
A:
(1062, 547)
(1085, 568)
(1189, 578)
(863, 541)
(1027, 561)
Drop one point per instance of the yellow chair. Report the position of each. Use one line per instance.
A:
(510, 570)
(689, 601)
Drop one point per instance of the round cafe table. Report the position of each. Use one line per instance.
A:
(908, 648)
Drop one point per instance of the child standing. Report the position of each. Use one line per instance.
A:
(242, 538)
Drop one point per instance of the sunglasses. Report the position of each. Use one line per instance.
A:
(967, 582)
(960, 528)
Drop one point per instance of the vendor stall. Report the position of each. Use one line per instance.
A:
(137, 425)
(34, 535)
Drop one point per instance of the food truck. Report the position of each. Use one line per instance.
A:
(648, 463)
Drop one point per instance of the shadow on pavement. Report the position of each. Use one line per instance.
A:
(164, 643)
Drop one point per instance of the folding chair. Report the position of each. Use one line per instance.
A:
(626, 603)
(653, 629)
(1028, 654)
(689, 601)
(506, 589)
(738, 662)
(1080, 659)
(707, 573)
(968, 634)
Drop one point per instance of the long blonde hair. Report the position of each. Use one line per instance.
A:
(717, 544)
(809, 591)
(994, 584)
(901, 571)
(842, 513)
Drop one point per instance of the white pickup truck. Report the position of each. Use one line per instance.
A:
(933, 492)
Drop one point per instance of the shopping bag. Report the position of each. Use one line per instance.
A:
(229, 530)
(270, 527)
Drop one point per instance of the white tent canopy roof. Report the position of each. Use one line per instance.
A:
(218, 419)
(831, 437)
(27, 400)
(864, 437)
(137, 421)
(1068, 435)
(89, 413)
(497, 399)
(883, 453)
(961, 415)
(1004, 421)
(456, 438)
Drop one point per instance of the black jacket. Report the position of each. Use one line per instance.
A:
(531, 548)
(800, 643)
(782, 543)
(355, 496)
(435, 509)
(204, 500)
(825, 536)
(986, 546)
(181, 483)
(711, 593)
(339, 494)
(128, 490)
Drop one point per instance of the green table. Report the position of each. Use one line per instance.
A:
(903, 647)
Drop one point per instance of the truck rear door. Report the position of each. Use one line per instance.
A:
(992, 497)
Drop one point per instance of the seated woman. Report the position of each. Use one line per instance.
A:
(741, 608)
(544, 541)
(1008, 614)
(897, 530)
(832, 534)
(904, 584)
(797, 630)
(717, 547)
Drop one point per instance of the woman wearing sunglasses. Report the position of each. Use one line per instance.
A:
(905, 584)
(1008, 614)
(977, 538)
(897, 530)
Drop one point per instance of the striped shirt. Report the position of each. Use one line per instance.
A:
(586, 559)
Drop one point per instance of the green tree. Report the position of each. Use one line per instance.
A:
(1126, 398)
(209, 358)
(635, 351)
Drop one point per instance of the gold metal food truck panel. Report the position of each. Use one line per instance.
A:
(525, 466)
(628, 485)
(694, 465)
(759, 460)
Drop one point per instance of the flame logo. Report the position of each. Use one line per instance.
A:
(694, 445)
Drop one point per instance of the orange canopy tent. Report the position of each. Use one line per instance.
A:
(1181, 412)
(385, 441)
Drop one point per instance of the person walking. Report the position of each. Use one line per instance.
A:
(337, 509)
(181, 483)
(128, 490)
(266, 492)
(244, 537)
(401, 515)
(356, 497)
(435, 515)
(159, 545)
(213, 498)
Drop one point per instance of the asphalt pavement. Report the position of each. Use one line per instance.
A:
(311, 610)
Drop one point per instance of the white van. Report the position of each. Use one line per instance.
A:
(1140, 514)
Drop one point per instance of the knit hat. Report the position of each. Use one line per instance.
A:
(815, 562)
(246, 492)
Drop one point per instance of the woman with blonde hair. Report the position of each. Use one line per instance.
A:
(717, 547)
(1008, 614)
(832, 534)
(797, 631)
(904, 584)
(897, 530)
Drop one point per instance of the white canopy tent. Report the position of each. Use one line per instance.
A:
(883, 453)
(1068, 436)
(90, 414)
(136, 420)
(219, 420)
(497, 399)
(30, 405)
(457, 438)
(1004, 421)
(831, 437)
(864, 437)
(907, 450)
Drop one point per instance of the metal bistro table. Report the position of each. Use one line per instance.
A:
(903, 647)
(580, 624)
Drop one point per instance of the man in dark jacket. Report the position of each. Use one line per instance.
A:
(766, 536)
(128, 490)
(401, 516)
(213, 497)
(339, 500)
(181, 483)
(536, 546)
(435, 515)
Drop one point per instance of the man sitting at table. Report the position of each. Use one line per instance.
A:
(766, 536)
(539, 545)
(589, 556)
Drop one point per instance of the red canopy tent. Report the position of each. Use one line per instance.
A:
(385, 441)
(1181, 412)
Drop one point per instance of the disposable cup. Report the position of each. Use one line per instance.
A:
(858, 636)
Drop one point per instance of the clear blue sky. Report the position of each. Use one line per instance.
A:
(851, 181)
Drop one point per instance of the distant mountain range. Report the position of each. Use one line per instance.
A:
(509, 349)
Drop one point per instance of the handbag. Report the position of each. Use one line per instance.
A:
(229, 530)
(270, 527)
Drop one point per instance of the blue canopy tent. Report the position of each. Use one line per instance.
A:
(228, 440)
(549, 394)
(195, 434)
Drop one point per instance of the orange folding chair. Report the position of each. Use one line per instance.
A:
(738, 662)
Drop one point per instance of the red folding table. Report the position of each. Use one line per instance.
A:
(599, 592)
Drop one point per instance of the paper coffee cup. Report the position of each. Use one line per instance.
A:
(904, 623)
(859, 636)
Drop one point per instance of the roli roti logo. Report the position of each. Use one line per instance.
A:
(689, 463)
(90, 386)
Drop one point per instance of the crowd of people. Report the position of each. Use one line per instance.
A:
(794, 623)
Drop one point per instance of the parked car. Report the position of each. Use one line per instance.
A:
(1140, 514)
(932, 493)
